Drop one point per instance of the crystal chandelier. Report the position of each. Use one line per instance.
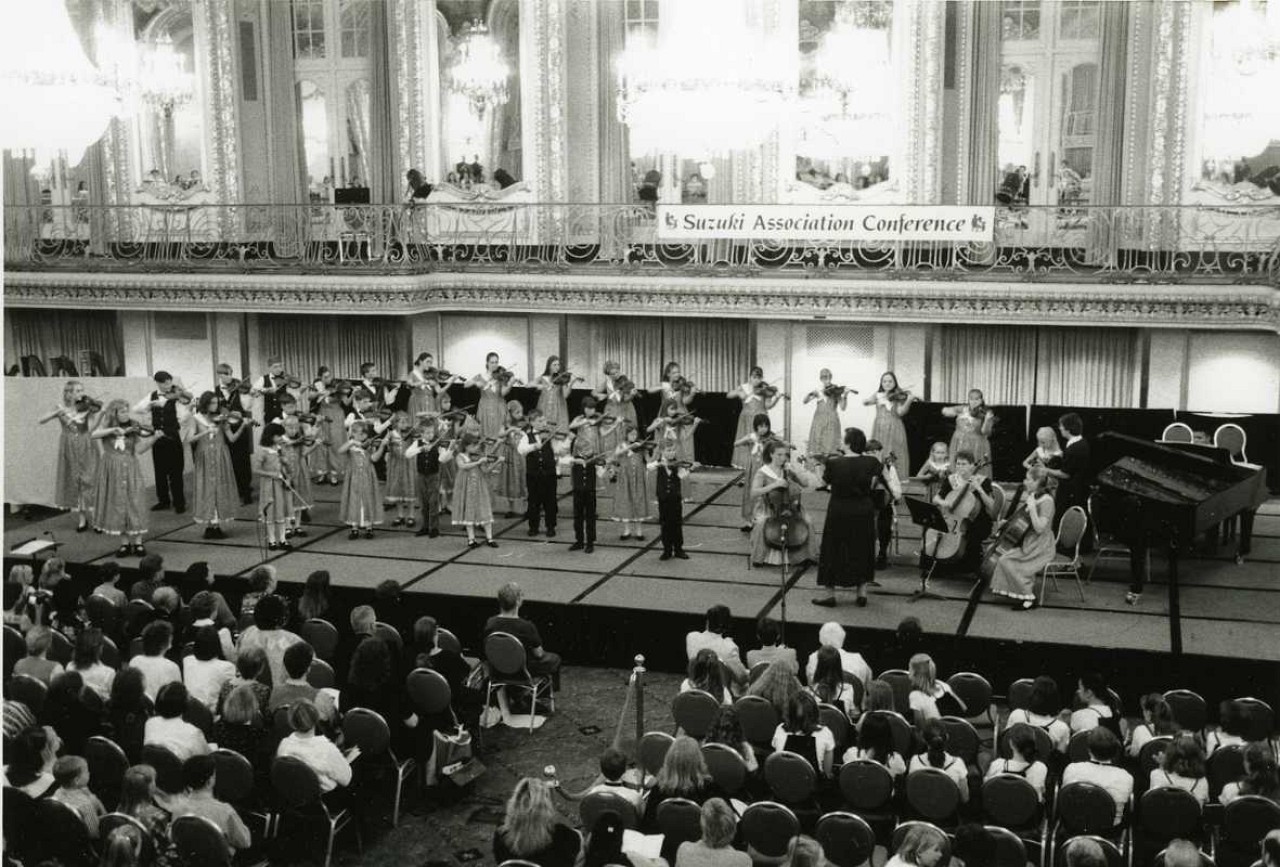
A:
(166, 83)
(718, 79)
(478, 71)
(1241, 115)
(55, 99)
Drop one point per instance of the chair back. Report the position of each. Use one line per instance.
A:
(107, 765)
(280, 724)
(693, 712)
(15, 647)
(446, 640)
(322, 636)
(62, 834)
(767, 828)
(61, 650)
(1010, 850)
(29, 690)
(137, 614)
(199, 715)
(320, 675)
(790, 777)
(1071, 531)
(108, 824)
(1151, 754)
(1083, 808)
(367, 730)
(110, 653)
(974, 690)
(679, 820)
(904, 736)
(1206, 860)
(1177, 432)
(759, 719)
(233, 776)
(1259, 719)
(295, 782)
(867, 786)
(1009, 801)
(168, 768)
(1169, 812)
(199, 841)
(1020, 693)
(847, 840)
(963, 740)
(904, 828)
(834, 719)
(429, 691)
(18, 817)
(900, 681)
(1189, 709)
(1115, 858)
(726, 766)
(653, 751)
(1226, 765)
(1078, 747)
(1044, 743)
(1248, 819)
(102, 613)
(1232, 438)
(506, 657)
(933, 795)
(389, 634)
(593, 805)
(756, 670)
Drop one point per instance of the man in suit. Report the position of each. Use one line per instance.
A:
(1076, 477)
(167, 453)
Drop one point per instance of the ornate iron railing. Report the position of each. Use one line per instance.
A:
(1235, 244)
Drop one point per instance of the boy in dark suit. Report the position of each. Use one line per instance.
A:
(670, 501)
(585, 470)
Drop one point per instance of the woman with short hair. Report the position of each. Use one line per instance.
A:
(1182, 767)
(169, 730)
(87, 660)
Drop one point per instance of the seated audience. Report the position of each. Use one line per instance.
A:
(128, 710)
(604, 843)
(716, 637)
(540, 661)
(935, 755)
(922, 846)
(204, 672)
(74, 719)
(243, 728)
(316, 603)
(1099, 708)
(1231, 730)
(204, 611)
(109, 578)
(1043, 711)
(804, 851)
(138, 799)
(17, 602)
(930, 698)
(168, 607)
(613, 768)
(389, 607)
(198, 800)
(531, 830)
(371, 683)
(268, 634)
(31, 757)
(828, 683)
(262, 582)
(726, 729)
(157, 669)
(1157, 722)
(1182, 766)
(1260, 775)
(802, 732)
(771, 646)
(37, 663)
(64, 598)
(169, 730)
(87, 660)
(875, 744)
(683, 775)
(1023, 763)
(1104, 749)
(197, 580)
(974, 846)
(707, 674)
(297, 662)
(879, 696)
(125, 846)
(833, 635)
(715, 847)
(72, 775)
(150, 570)
(1271, 849)
(251, 670)
(778, 684)
(331, 765)
(1085, 852)
(362, 620)
(1182, 853)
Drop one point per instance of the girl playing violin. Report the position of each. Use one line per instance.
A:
(824, 431)
(587, 426)
(753, 442)
(618, 394)
(118, 497)
(974, 421)
(452, 426)
(510, 487)
(553, 393)
(295, 450)
(678, 392)
(77, 455)
(494, 383)
(360, 506)
(331, 408)
(776, 489)
(402, 472)
(977, 523)
(210, 436)
(632, 489)
(275, 503)
(1016, 570)
(936, 468)
(426, 384)
(891, 403)
(472, 504)
(676, 427)
(756, 398)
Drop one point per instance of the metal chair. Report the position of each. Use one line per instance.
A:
(199, 841)
(1020, 693)
(933, 796)
(1106, 545)
(835, 719)
(1011, 850)
(1178, 432)
(726, 767)
(107, 766)
(1070, 532)
(1078, 747)
(298, 787)
(901, 683)
(28, 690)
(767, 828)
(322, 636)
(1114, 855)
(1245, 821)
(168, 768)
(320, 674)
(61, 835)
(1189, 709)
(446, 640)
(233, 783)
(900, 832)
(653, 751)
(1009, 801)
(1226, 765)
(102, 613)
(847, 840)
(594, 804)
(429, 691)
(1165, 814)
(15, 647)
(904, 736)
(759, 719)
(976, 693)
(867, 788)
(509, 668)
(693, 712)
(1260, 719)
(1151, 753)
(790, 777)
(1082, 808)
(680, 821)
(1232, 437)
(963, 740)
(367, 730)
(199, 715)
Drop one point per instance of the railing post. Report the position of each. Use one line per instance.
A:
(637, 681)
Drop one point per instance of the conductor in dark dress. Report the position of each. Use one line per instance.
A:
(848, 554)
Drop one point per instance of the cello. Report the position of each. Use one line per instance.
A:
(784, 528)
(951, 545)
(1011, 536)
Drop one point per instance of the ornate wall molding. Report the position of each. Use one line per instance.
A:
(542, 74)
(920, 301)
(923, 47)
(405, 30)
(212, 20)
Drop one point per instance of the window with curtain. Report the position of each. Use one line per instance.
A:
(48, 334)
(1054, 366)
(714, 353)
(339, 343)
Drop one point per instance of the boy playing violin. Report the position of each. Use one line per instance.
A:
(670, 471)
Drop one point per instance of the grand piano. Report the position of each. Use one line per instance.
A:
(1169, 495)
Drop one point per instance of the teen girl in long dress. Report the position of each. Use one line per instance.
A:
(617, 401)
(327, 463)
(631, 492)
(775, 488)
(77, 454)
(825, 430)
(118, 508)
(510, 488)
(216, 496)
(402, 472)
(752, 405)
(891, 403)
(275, 503)
(472, 501)
(451, 429)
(974, 421)
(361, 504)
(492, 409)
(1016, 571)
(553, 399)
(754, 443)
(295, 456)
(681, 398)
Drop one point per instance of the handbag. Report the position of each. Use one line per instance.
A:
(452, 759)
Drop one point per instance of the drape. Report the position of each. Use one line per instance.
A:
(984, 96)
(48, 334)
(1104, 231)
(1086, 367)
(714, 353)
(289, 172)
(383, 178)
(358, 101)
(21, 212)
(341, 343)
(506, 133)
(1001, 361)
(615, 167)
(635, 343)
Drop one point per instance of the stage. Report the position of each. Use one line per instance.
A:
(605, 607)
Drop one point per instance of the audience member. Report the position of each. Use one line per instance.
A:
(880, 696)
(389, 607)
(683, 775)
(262, 581)
(531, 831)
(297, 662)
(197, 580)
(1157, 722)
(64, 598)
(315, 602)
(828, 683)
(540, 661)
(157, 669)
(771, 646)
(1182, 853)
(778, 684)
(1231, 730)
(203, 611)
(128, 710)
(802, 732)
(613, 768)
(466, 700)
(37, 663)
(17, 603)
(71, 717)
(1024, 762)
(1104, 749)
(268, 634)
(804, 851)
(1099, 706)
(17, 718)
(203, 672)
(108, 579)
(922, 846)
(930, 698)
(251, 671)
(87, 660)
(604, 843)
(707, 674)
(372, 684)
(715, 848)
(72, 775)
(138, 800)
(243, 728)
(1260, 775)
(1271, 849)
(362, 620)
(31, 757)
(833, 635)
(716, 637)
(124, 847)
(1182, 766)
(1085, 852)
(198, 800)
(875, 744)
(1043, 710)
(726, 729)
(935, 755)
(150, 569)
(168, 607)
(331, 765)
(169, 730)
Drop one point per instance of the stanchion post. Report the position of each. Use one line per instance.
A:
(637, 680)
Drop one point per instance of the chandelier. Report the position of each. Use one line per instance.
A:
(478, 73)
(55, 99)
(1241, 117)
(718, 79)
(166, 83)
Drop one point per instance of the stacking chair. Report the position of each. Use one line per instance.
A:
(1150, 755)
(1189, 709)
(1206, 860)
(199, 715)
(1163, 815)
(976, 692)
(111, 821)
(593, 805)
(726, 767)
(1260, 719)
(107, 766)
(320, 674)
(693, 711)
(168, 768)
(199, 841)
(233, 783)
(28, 690)
(299, 789)
(1232, 438)
(322, 636)
(60, 833)
(389, 634)
(60, 649)
(680, 821)
(653, 751)
(280, 724)
(791, 779)
(446, 640)
(429, 692)
(102, 613)
(110, 653)
(1020, 693)
(834, 719)
(767, 828)
(900, 832)
(867, 788)
(1226, 765)
(367, 730)
(1245, 821)
(18, 819)
(1078, 747)
(1070, 532)
(15, 648)
(1011, 802)
(1082, 808)
(509, 669)
(1115, 857)
(1106, 546)
(1177, 432)
(933, 796)
(904, 736)
(137, 614)
(1011, 850)
(963, 740)
(759, 720)
(756, 671)
(901, 683)
(847, 840)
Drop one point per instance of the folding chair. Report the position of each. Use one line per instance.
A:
(322, 636)
(320, 674)
(653, 751)
(680, 821)
(1082, 808)
(867, 788)
(933, 796)
(767, 828)
(790, 777)
(593, 805)
(1011, 850)
(1177, 432)
(168, 768)
(1245, 821)
(693, 712)
(509, 668)
(199, 841)
(233, 783)
(847, 840)
(107, 766)
(298, 787)
(759, 720)
(976, 693)
(1189, 709)
(28, 690)
(367, 730)
(1070, 532)
(726, 767)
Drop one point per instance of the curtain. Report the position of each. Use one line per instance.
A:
(341, 343)
(714, 353)
(1086, 366)
(635, 343)
(383, 179)
(1001, 361)
(289, 178)
(1104, 232)
(359, 142)
(48, 334)
(615, 167)
(983, 131)
(21, 214)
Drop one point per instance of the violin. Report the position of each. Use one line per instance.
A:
(837, 391)
(597, 420)
(232, 417)
(84, 403)
(625, 387)
(682, 385)
(503, 375)
(180, 394)
(285, 380)
(243, 386)
(133, 429)
(300, 441)
(898, 395)
(684, 419)
(952, 544)
(565, 378)
(439, 374)
(768, 392)
(384, 414)
(676, 465)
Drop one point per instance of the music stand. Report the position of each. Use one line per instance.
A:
(927, 516)
(33, 548)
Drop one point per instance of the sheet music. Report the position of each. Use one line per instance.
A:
(33, 547)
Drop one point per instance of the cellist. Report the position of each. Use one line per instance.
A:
(966, 500)
(777, 488)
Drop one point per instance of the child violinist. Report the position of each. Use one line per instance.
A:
(510, 488)
(753, 442)
(361, 506)
(402, 471)
(77, 455)
(553, 396)
(275, 503)
(587, 425)
(211, 435)
(541, 472)
(472, 501)
(671, 472)
(425, 384)
(428, 454)
(678, 394)
(296, 448)
(118, 497)
(755, 400)
(974, 421)
(825, 432)
(586, 468)
(494, 384)
(631, 488)
(618, 393)
(331, 409)
(892, 403)
(453, 425)
(676, 427)
(936, 468)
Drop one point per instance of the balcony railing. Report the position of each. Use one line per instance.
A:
(1190, 244)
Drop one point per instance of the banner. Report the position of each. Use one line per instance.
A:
(961, 223)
